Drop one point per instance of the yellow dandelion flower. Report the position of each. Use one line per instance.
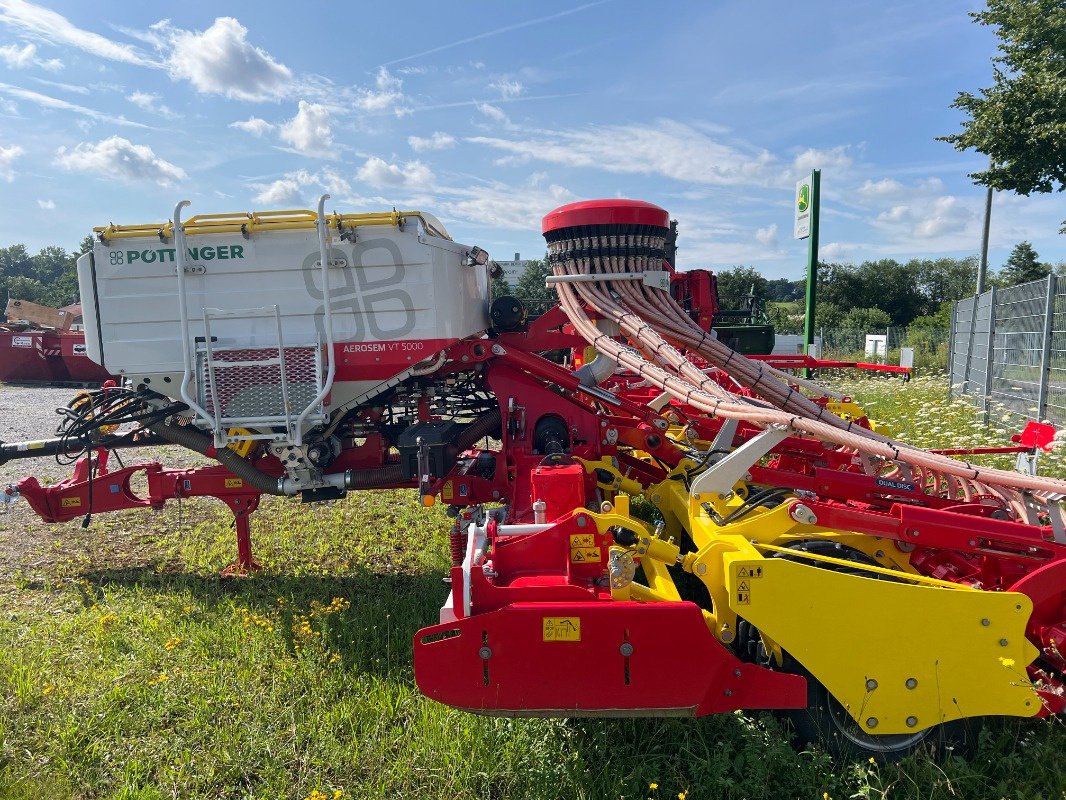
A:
(107, 619)
(872, 761)
(334, 657)
(162, 677)
(47, 690)
(171, 643)
(682, 795)
(653, 786)
(338, 794)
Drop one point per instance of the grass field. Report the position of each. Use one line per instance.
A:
(129, 669)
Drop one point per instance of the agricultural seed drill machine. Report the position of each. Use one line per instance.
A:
(670, 529)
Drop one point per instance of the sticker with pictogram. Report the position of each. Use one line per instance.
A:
(562, 629)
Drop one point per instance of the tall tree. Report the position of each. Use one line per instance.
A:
(1020, 121)
(1023, 265)
(530, 288)
(734, 286)
(943, 280)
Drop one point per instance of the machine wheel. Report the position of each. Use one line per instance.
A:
(825, 722)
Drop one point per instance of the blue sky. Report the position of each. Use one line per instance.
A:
(489, 115)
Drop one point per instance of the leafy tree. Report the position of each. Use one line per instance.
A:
(940, 319)
(15, 262)
(944, 280)
(500, 287)
(1023, 265)
(50, 263)
(838, 285)
(734, 286)
(531, 289)
(1020, 121)
(782, 289)
(828, 315)
(865, 320)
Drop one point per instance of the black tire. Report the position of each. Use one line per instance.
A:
(827, 724)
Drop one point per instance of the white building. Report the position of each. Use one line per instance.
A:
(512, 270)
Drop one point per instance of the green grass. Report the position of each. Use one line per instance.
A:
(129, 669)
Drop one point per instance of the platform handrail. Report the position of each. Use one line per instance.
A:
(327, 305)
(187, 345)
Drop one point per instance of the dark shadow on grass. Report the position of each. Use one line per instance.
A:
(372, 635)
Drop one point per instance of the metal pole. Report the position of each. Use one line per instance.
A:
(951, 347)
(969, 347)
(812, 263)
(982, 269)
(1045, 355)
(990, 344)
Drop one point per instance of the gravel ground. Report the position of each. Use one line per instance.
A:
(28, 413)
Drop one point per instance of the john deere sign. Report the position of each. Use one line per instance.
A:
(803, 208)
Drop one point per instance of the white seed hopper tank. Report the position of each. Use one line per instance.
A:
(399, 291)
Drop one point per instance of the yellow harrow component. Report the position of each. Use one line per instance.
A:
(899, 657)
(850, 624)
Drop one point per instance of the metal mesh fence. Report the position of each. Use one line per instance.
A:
(1008, 349)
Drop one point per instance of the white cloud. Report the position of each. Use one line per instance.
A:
(26, 56)
(116, 157)
(667, 148)
(150, 102)
(47, 101)
(500, 206)
(945, 215)
(894, 214)
(931, 185)
(377, 172)
(66, 87)
(877, 190)
(928, 217)
(833, 160)
(253, 125)
(438, 141)
(388, 94)
(282, 192)
(7, 159)
(221, 60)
(309, 131)
(494, 113)
(508, 89)
(18, 58)
(767, 235)
(294, 188)
(47, 205)
(833, 251)
(56, 28)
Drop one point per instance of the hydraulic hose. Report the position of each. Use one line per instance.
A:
(372, 478)
(190, 437)
(67, 446)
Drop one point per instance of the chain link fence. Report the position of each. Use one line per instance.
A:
(1008, 350)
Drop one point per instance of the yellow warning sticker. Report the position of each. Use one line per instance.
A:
(749, 572)
(583, 540)
(447, 493)
(582, 555)
(562, 629)
(234, 483)
(743, 593)
(70, 502)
